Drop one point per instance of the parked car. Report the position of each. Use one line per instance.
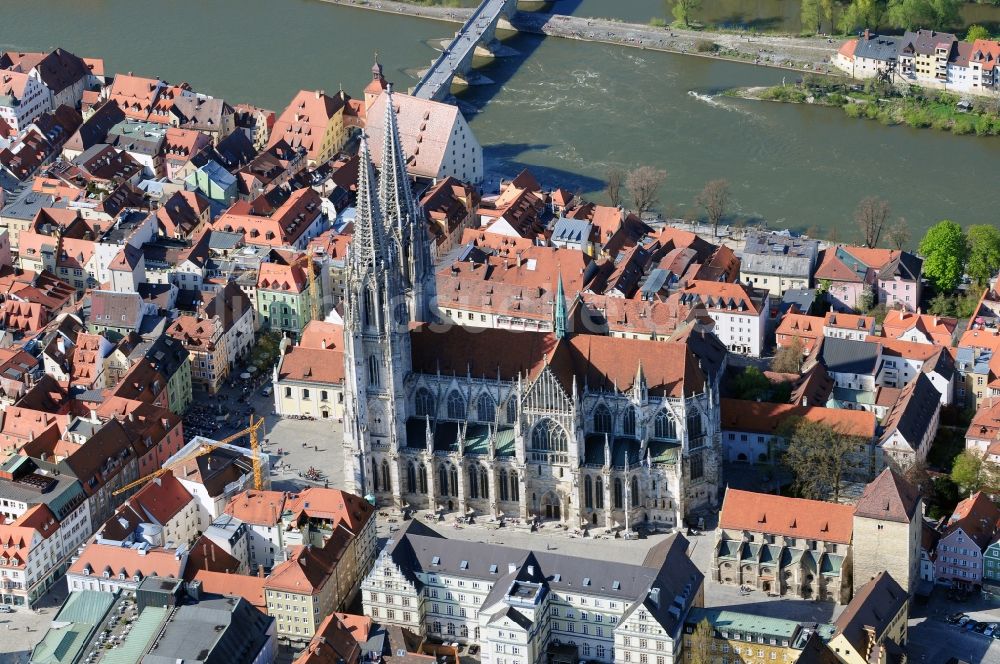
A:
(963, 621)
(5, 609)
(969, 626)
(988, 632)
(955, 617)
(266, 391)
(980, 627)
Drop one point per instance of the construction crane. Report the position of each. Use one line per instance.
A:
(204, 449)
(313, 285)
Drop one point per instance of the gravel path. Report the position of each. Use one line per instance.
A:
(786, 52)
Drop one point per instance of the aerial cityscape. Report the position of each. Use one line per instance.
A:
(500, 332)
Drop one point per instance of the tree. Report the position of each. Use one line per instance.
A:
(714, 198)
(682, 10)
(942, 305)
(700, 650)
(976, 32)
(860, 14)
(984, 253)
(899, 233)
(945, 250)
(643, 185)
(909, 14)
(810, 16)
(818, 456)
(616, 178)
(866, 300)
(870, 216)
(789, 358)
(751, 384)
(972, 472)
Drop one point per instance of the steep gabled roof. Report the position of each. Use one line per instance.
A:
(888, 497)
(792, 517)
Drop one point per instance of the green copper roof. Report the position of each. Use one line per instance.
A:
(62, 645)
(85, 606)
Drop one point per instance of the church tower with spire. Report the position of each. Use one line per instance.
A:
(376, 343)
(404, 220)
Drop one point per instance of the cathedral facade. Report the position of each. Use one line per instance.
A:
(582, 429)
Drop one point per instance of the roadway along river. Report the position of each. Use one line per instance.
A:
(569, 110)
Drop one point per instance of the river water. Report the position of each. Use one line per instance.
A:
(567, 109)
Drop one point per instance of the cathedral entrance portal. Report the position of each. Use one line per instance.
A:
(552, 506)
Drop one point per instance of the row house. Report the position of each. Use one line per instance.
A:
(983, 434)
(919, 328)
(911, 425)
(214, 478)
(271, 168)
(23, 98)
(204, 340)
(284, 295)
(521, 606)
(308, 380)
(873, 626)
(784, 546)
(747, 634)
(739, 312)
(892, 277)
(63, 75)
(291, 224)
(180, 147)
(208, 116)
(115, 568)
(161, 514)
(29, 557)
(314, 122)
(777, 262)
(970, 529)
(450, 208)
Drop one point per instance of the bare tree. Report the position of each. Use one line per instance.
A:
(700, 643)
(819, 457)
(616, 178)
(714, 198)
(899, 233)
(789, 358)
(870, 216)
(643, 185)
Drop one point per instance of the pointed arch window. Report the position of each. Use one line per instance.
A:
(454, 480)
(473, 482)
(602, 419)
(424, 403)
(695, 427)
(504, 493)
(456, 406)
(599, 493)
(664, 426)
(411, 478)
(486, 410)
(618, 492)
(512, 410)
(548, 435)
(443, 480)
(634, 492)
(484, 482)
(588, 492)
(370, 313)
(628, 422)
(374, 375)
(422, 476)
(515, 487)
(386, 477)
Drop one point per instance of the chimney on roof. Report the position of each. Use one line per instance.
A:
(654, 596)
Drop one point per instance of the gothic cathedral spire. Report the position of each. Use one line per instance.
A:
(369, 245)
(559, 311)
(403, 218)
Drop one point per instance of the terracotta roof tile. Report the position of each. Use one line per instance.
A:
(792, 517)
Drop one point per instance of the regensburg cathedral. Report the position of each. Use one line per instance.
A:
(578, 428)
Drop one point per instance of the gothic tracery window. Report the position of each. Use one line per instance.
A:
(602, 419)
(424, 403)
(548, 435)
(628, 422)
(456, 406)
(664, 426)
(486, 410)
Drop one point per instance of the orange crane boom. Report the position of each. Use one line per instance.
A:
(258, 480)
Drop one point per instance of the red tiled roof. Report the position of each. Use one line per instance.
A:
(791, 517)
(764, 417)
(117, 559)
(939, 329)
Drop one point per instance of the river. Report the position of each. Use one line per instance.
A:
(567, 109)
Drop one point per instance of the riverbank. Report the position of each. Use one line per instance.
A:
(913, 107)
(784, 52)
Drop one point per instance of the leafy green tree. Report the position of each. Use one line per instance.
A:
(866, 300)
(910, 14)
(945, 251)
(751, 384)
(811, 16)
(976, 32)
(683, 10)
(984, 253)
(971, 472)
(861, 14)
(942, 305)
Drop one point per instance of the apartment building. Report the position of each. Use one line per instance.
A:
(776, 262)
(309, 377)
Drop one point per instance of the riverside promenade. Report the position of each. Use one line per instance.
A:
(803, 54)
